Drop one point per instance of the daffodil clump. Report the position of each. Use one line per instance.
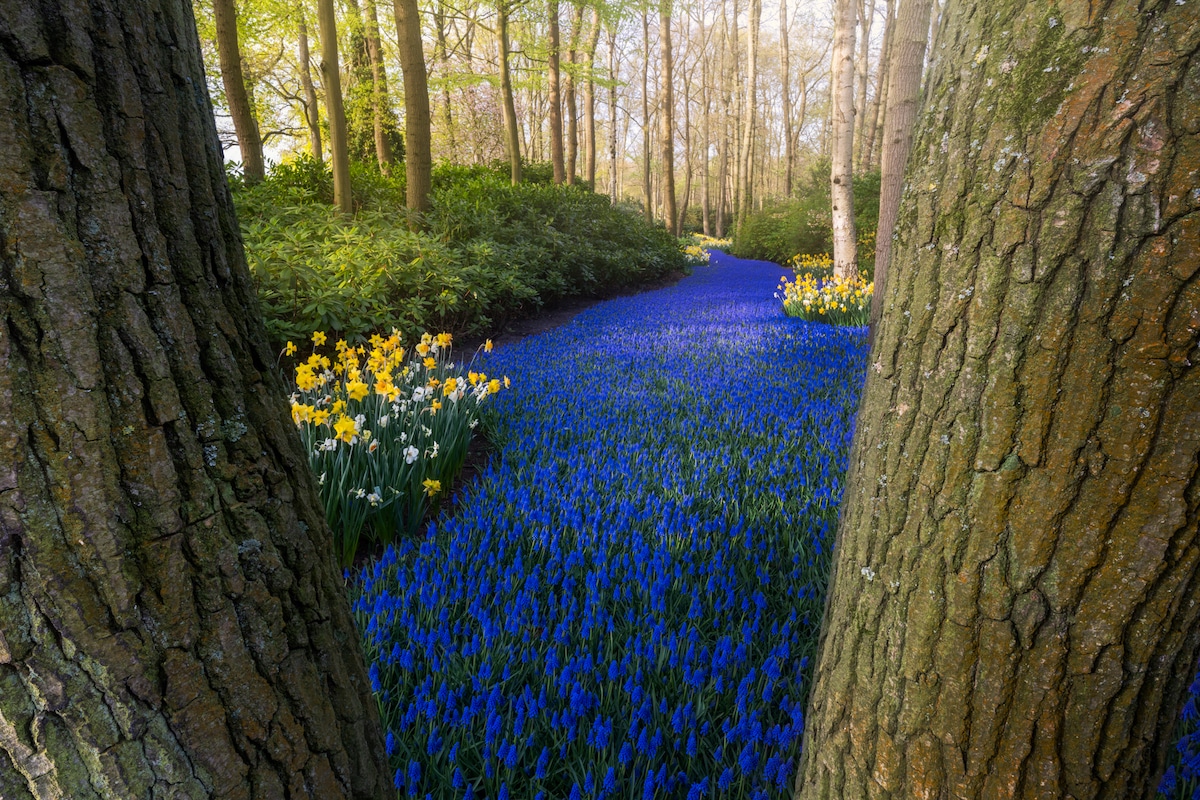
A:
(386, 430)
(709, 242)
(838, 301)
(696, 254)
(811, 263)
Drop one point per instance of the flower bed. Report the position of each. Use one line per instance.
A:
(837, 301)
(624, 605)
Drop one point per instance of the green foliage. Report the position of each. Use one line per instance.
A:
(803, 225)
(490, 251)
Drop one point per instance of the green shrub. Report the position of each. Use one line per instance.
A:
(804, 224)
(490, 251)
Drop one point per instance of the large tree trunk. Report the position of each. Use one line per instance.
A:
(667, 120)
(1014, 606)
(244, 123)
(845, 248)
(312, 114)
(512, 136)
(553, 78)
(172, 622)
(418, 153)
(379, 92)
(908, 61)
(339, 154)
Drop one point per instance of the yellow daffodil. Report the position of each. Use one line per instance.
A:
(344, 428)
(436, 405)
(301, 413)
(432, 487)
(443, 339)
(290, 349)
(356, 389)
(449, 386)
(318, 338)
(320, 416)
(339, 407)
(507, 382)
(494, 386)
(487, 346)
(423, 349)
(473, 378)
(429, 363)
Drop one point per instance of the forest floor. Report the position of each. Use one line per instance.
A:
(624, 601)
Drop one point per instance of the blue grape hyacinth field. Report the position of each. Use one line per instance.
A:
(625, 604)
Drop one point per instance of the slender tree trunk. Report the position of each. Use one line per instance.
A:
(312, 114)
(667, 118)
(589, 102)
(862, 73)
(172, 621)
(789, 154)
(1014, 606)
(512, 138)
(647, 198)
(443, 56)
(845, 250)
(879, 102)
(612, 112)
(745, 161)
(240, 108)
(339, 155)
(705, 198)
(418, 155)
(379, 97)
(912, 27)
(553, 78)
(572, 157)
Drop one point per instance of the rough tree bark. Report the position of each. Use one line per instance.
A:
(1014, 609)
(172, 622)
(339, 154)
(245, 125)
(512, 137)
(418, 154)
(908, 61)
(312, 114)
(553, 77)
(667, 118)
(845, 246)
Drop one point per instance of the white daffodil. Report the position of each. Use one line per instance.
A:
(411, 454)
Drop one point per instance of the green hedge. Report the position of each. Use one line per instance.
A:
(490, 252)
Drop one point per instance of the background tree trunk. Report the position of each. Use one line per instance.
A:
(785, 67)
(845, 246)
(904, 91)
(875, 112)
(750, 117)
(172, 622)
(443, 56)
(512, 135)
(572, 157)
(418, 154)
(589, 102)
(556, 126)
(244, 122)
(339, 154)
(379, 95)
(862, 73)
(1013, 611)
(667, 119)
(647, 199)
(312, 114)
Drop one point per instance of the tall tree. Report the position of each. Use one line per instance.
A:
(1014, 606)
(553, 77)
(785, 67)
(245, 125)
(612, 111)
(845, 248)
(339, 154)
(442, 54)
(312, 113)
(172, 622)
(908, 62)
(667, 116)
(750, 114)
(569, 98)
(418, 155)
(380, 107)
(512, 136)
(589, 101)
(862, 72)
(647, 199)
